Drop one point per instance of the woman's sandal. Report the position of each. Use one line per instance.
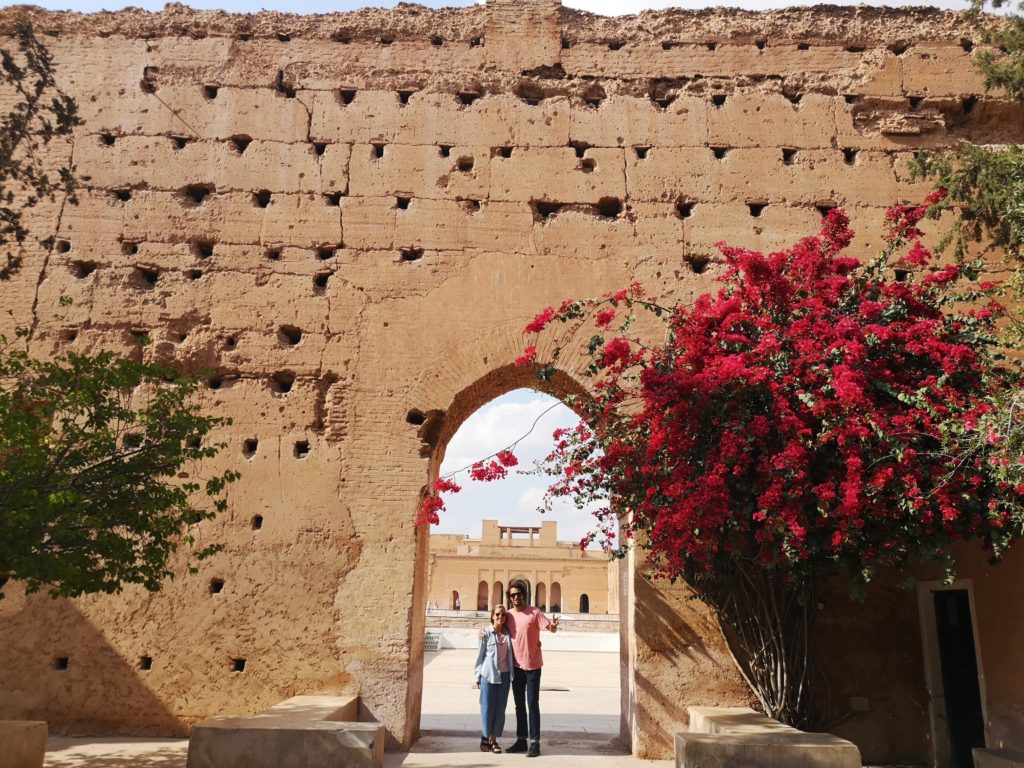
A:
(485, 745)
(495, 747)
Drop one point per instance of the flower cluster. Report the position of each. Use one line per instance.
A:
(814, 415)
(432, 504)
(496, 469)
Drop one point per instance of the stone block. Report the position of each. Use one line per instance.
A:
(254, 742)
(22, 743)
(157, 162)
(346, 65)
(522, 35)
(762, 120)
(879, 74)
(688, 59)
(997, 758)
(455, 225)
(675, 173)
(438, 118)
(308, 731)
(940, 69)
(419, 171)
(739, 737)
(628, 121)
(558, 174)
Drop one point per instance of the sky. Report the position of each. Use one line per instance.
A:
(603, 7)
(515, 499)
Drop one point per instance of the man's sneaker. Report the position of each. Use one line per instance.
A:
(534, 750)
(519, 746)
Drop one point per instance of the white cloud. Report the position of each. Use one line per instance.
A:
(517, 498)
(530, 499)
(505, 421)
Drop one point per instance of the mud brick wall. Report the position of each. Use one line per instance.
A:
(348, 219)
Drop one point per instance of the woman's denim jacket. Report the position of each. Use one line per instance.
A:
(487, 658)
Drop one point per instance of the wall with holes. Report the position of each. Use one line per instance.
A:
(347, 219)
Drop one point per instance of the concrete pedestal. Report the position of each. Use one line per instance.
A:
(22, 743)
(302, 732)
(997, 758)
(739, 737)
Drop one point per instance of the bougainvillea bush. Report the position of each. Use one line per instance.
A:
(815, 417)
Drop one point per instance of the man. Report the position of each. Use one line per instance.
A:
(524, 624)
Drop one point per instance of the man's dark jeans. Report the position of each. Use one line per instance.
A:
(526, 694)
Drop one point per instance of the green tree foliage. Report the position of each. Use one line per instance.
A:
(1004, 71)
(986, 184)
(98, 461)
(986, 187)
(98, 454)
(986, 192)
(41, 112)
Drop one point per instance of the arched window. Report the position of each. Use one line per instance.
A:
(528, 599)
(584, 604)
(481, 596)
(456, 601)
(542, 596)
(497, 594)
(556, 597)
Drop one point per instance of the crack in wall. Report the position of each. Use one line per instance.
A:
(46, 257)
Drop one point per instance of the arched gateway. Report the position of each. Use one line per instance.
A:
(371, 206)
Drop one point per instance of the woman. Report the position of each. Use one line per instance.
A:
(494, 665)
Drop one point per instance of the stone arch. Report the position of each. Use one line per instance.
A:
(542, 596)
(497, 594)
(481, 596)
(456, 601)
(584, 603)
(527, 582)
(464, 379)
(556, 596)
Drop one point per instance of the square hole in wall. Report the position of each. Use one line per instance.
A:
(249, 447)
(301, 449)
(238, 665)
(61, 663)
(145, 663)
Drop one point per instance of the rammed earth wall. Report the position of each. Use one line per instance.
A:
(348, 219)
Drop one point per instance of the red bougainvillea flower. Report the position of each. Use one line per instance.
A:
(811, 415)
(541, 320)
(528, 356)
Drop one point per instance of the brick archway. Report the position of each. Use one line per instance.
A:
(436, 431)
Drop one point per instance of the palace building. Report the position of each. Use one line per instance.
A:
(473, 574)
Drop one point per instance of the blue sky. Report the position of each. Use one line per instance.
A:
(604, 7)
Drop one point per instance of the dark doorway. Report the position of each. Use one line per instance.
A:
(959, 664)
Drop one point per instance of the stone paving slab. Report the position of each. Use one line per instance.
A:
(579, 693)
(579, 705)
(564, 750)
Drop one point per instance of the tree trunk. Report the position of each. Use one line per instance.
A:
(768, 625)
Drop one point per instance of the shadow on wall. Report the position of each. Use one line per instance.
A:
(869, 653)
(46, 675)
(681, 661)
(666, 625)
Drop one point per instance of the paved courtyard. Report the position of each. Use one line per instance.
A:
(579, 702)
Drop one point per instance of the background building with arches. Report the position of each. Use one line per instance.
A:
(561, 577)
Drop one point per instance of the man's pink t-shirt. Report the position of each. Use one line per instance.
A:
(525, 628)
